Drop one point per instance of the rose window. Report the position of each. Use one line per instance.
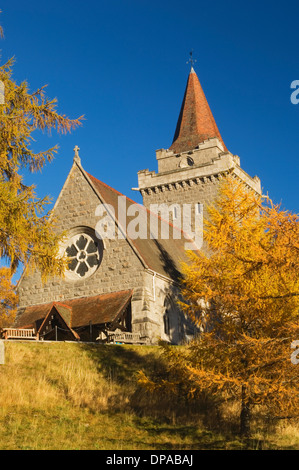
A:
(83, 255)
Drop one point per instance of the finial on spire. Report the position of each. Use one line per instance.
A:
(76, 156)
(191, 60)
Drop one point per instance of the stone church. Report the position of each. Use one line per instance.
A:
(124, 287)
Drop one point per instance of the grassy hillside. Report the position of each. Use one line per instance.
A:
(79, 396)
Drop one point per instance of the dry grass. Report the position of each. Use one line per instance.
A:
(76, 396)
(45, 375)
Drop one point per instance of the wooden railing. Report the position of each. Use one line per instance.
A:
(19, 333)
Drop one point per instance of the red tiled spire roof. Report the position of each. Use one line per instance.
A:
(196, 122)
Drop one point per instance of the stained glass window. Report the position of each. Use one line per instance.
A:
(84, 256)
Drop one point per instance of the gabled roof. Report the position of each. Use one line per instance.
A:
(163, 256)
(196, 122)
(64, 312)
(99, 309)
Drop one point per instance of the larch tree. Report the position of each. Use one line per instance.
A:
(8, 298)
(243, 294)
(27, 230)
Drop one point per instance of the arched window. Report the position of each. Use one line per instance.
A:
(168, 308)
(166, 322)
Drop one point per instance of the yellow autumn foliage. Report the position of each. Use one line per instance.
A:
(242, 292)
(8, 298)
(27, 232)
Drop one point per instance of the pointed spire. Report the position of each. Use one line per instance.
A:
(196, 122)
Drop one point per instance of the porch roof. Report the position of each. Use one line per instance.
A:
(99, 309)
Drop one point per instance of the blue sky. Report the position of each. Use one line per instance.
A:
(122, 63)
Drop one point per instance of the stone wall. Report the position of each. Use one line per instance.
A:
(186, 192)
(196, 182)
(156, 297)
(120, 268)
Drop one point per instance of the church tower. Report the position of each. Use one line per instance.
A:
(189, 171)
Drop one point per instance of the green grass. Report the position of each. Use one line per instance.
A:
(74, 396)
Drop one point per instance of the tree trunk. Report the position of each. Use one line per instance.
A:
(245, 416)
